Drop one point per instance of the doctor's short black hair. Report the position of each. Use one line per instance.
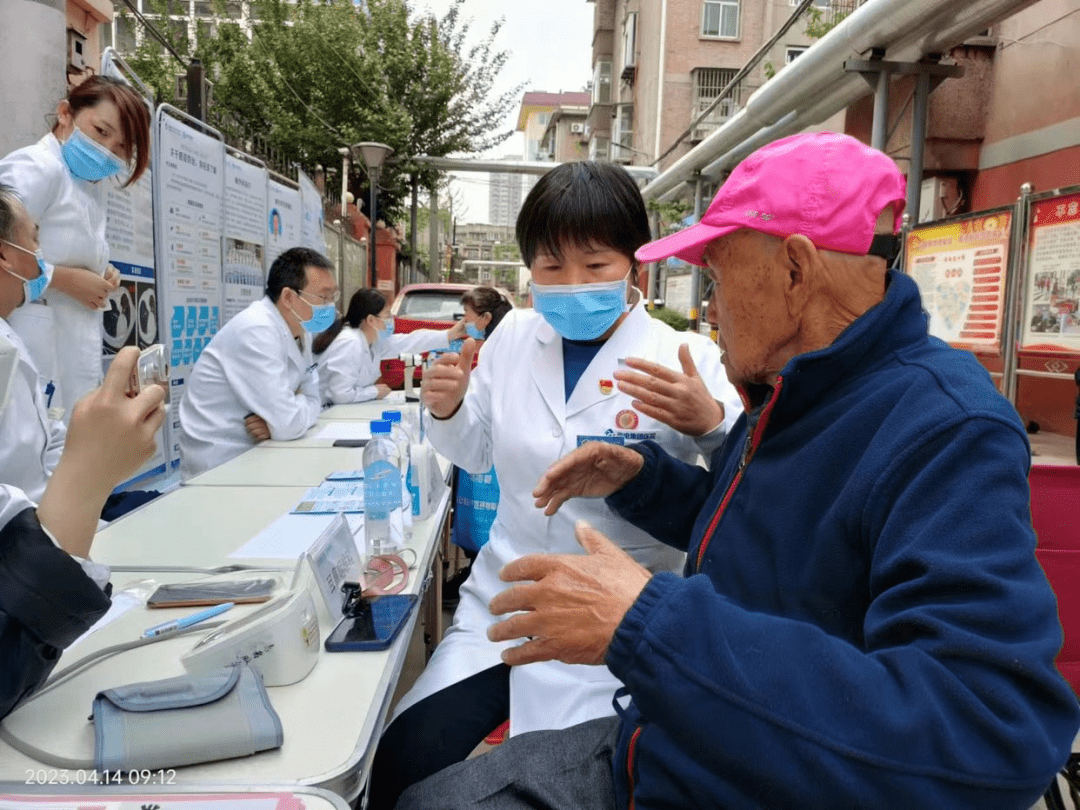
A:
(288, 271)
(582, 204)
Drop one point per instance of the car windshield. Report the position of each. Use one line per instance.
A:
(432, 305)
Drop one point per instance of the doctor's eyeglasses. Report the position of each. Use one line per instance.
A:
(333, 298)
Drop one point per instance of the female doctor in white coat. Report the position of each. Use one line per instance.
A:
(349, 358)
(544, 384)
(102, 127)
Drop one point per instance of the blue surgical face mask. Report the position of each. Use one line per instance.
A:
(87, 159)
(387, 330)
(32, 288)
(473, 332)
(580, 311)
(322, 317)
(457, 345)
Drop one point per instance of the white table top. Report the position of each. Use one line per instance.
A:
(123, 797)
(331, 718)
(280, 466)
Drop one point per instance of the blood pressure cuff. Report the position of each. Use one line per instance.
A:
(185, 720)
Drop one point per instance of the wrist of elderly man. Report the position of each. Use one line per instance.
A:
(621, 655)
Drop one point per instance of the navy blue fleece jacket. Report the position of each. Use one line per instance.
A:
(863, 623)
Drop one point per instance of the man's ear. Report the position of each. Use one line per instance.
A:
(801, 260)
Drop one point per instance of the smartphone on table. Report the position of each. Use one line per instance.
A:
(188, 594)
(374, 626)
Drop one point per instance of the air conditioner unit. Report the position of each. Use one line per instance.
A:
(577, 129)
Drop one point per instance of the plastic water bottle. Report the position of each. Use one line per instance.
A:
(382, 490)
(401, 438)
(410, 420)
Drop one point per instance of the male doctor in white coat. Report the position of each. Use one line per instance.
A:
(32, 442)
(257, 380)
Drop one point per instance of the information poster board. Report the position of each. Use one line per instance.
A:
(283, 219)
(245, 233)
(1051, 316)
(311, 231)
(190, 170)
(960, 267)
(131, 318)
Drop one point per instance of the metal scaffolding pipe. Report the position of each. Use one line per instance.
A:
(536, 167)
(906, 30)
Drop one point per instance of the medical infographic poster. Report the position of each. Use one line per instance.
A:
(190, 171)
(283, 219)
(1051, 317)
(961, 268)
(311, 230)
(131, 317)
(244, 272)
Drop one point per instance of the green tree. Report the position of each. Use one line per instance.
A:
(818, 25)
(316, 76)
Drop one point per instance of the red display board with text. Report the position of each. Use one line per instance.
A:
(1052, 295)
(961, 268)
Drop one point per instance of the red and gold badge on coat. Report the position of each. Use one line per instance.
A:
(606, 387)
(626, 420)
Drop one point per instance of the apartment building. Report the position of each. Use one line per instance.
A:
(658, 64)
(505, 195)
(536, 112)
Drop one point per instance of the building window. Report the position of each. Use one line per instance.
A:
(599, 149)
(708, 83)
(601, 93)
(629, 46)
(623, 134)
(793, 52)
(720, 18)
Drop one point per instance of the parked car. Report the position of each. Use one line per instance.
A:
(425, 306)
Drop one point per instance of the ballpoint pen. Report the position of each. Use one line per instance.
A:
(186, 621)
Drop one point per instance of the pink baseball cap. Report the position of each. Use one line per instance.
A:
(828, 187)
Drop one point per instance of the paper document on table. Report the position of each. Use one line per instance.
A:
(395, 397)
(330, 498)
(289, 536)
(121, 604)
(345, 430)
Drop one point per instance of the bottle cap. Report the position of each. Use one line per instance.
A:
(380, 426)
(392, 416)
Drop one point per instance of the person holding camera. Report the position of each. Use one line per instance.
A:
(50, 592)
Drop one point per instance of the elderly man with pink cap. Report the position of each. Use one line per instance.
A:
(861, 622)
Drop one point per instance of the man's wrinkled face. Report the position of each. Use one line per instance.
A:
(748, 307)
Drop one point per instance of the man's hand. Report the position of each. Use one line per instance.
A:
(680, 401)
(573, 604)
(257, 427)
(382, 391)
(447, 380)
(594, 470)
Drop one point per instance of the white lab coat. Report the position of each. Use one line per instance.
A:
(32, 442)
(349, 367)
(64, 337)
(515, 415)
(252, 365)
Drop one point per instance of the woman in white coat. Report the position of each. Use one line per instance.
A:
(102, 128)
(545, 383)
(349, 358)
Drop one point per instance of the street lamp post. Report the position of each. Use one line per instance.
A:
(373, 154)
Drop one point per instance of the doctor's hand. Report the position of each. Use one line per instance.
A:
(382, 391)
(572, 603)
(594, 470)
(457, 331)
(85, 286)
(447, 380)
(680, 401)
(256, 427)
